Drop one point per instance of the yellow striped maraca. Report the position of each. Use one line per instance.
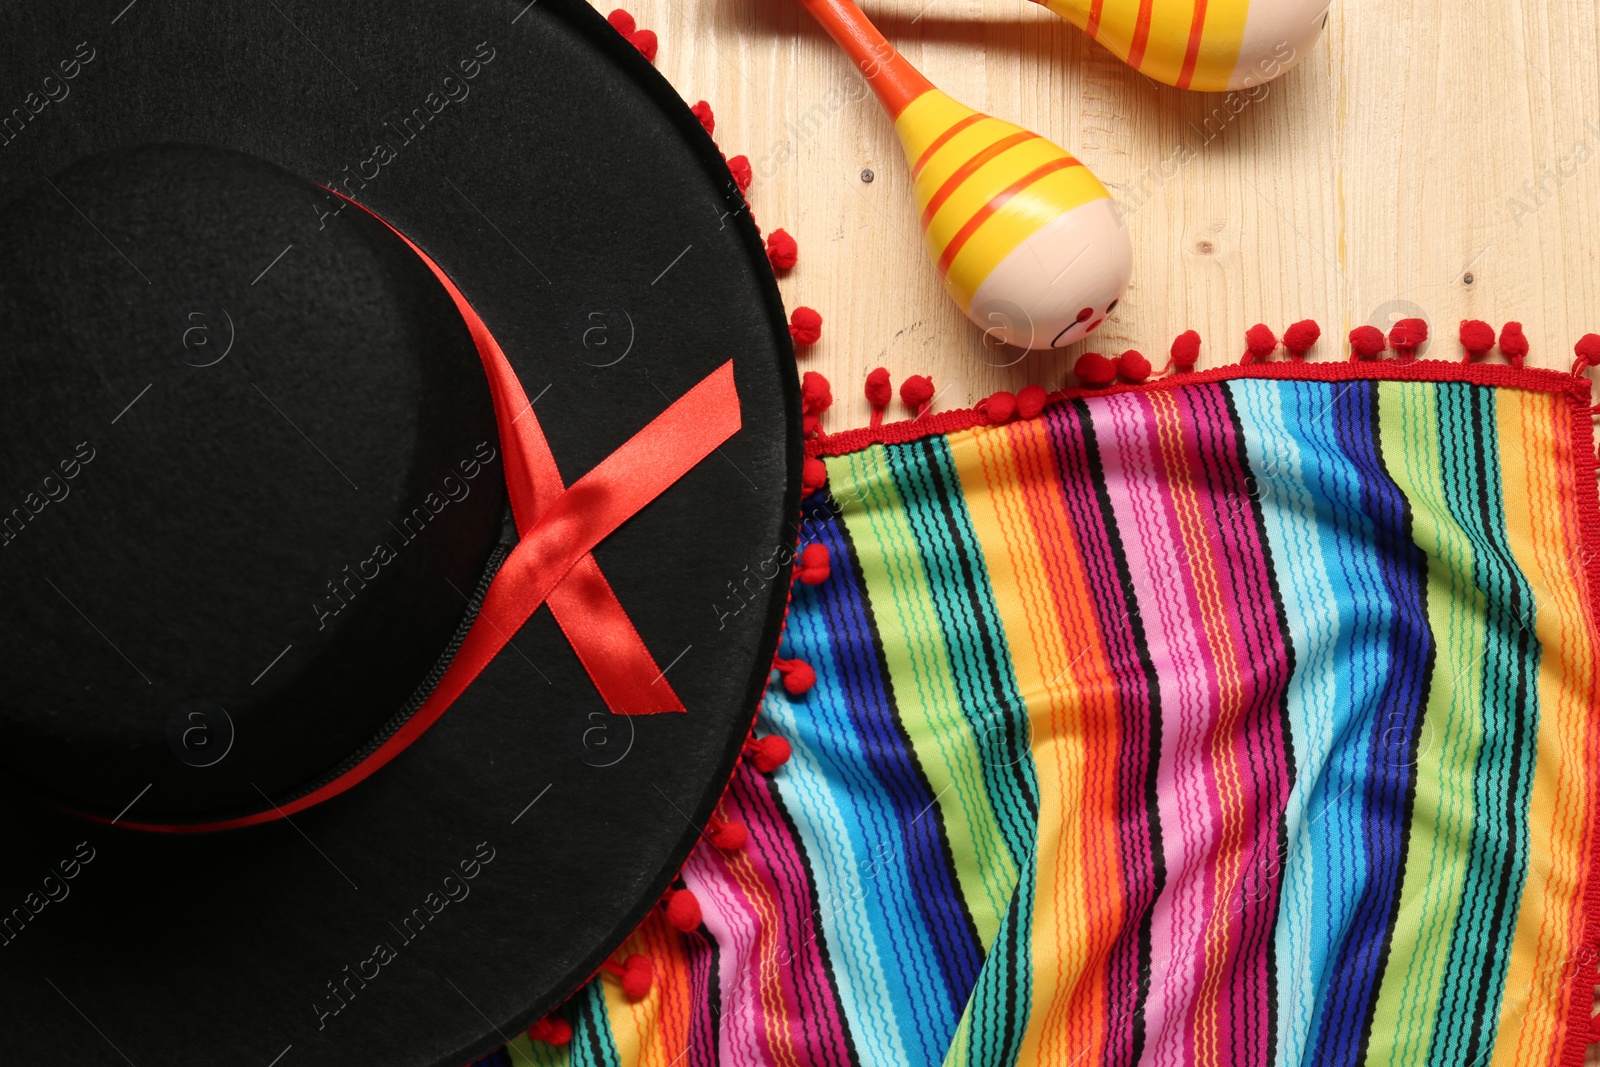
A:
(1209, 45)
(1029, 243)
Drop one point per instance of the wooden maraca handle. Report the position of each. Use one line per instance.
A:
(891, 75)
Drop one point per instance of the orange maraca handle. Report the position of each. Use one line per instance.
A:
(890, 74)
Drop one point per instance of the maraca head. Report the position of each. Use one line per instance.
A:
(1029, 243)
(1236, 44)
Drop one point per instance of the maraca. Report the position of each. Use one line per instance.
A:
(1209, 45)
(1029, 243)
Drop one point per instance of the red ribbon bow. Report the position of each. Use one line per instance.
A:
(559, 526)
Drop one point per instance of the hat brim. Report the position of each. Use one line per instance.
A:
(508, 851)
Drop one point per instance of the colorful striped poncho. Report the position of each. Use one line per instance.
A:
(1244, 718)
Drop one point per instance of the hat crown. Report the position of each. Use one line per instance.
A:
(251, 481)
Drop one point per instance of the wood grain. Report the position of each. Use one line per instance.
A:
(1436, 156)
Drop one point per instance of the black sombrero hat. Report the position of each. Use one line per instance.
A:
(389, 395)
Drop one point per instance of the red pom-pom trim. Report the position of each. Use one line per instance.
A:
(1514, 344)
(1477, 337)
(813, 475)
(1185, 351)
(727, 835)
(645, 41)
(683, 910)
(1000, 407)
(815, 565)
(702, 111)
(798, 677)
(1407, 336)
(768, 753)
(1300, 337)
(1260, 342)
(782, 252)
(1031, 401)
(622, 22)
(552, 1029)
(880, 391)
(1588, 350)
(1095, 370)
(805, 326)
(1367, 342)
(917, 392)
(1132, 366)
(638, 974)
(739, 167)
(816, 394)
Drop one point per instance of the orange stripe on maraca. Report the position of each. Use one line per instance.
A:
(1141, 33)
(940, 141)
(1195, 44)
(1192, 56)
(969, 168)
(964, 234)
(970, 195)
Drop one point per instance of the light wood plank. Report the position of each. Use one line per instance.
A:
(1420, 141)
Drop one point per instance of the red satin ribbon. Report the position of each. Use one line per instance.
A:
(552, 564)
(584, 605)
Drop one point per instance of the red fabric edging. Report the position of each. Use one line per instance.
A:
(1423, 370)
(1584, 967)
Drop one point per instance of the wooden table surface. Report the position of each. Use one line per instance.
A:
(1428, 157)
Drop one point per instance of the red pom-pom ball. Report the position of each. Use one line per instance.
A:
(1132, 366)
(645, 41)
(769, 753)
(702, 111)
(552, 1029)
(1588, 349)
(813, 475)
(798, 677)
(739, 167)
(622, 22)
(1001, 407)
(816, 564)
(879, 390)
(1260, 342)
(805, 326)
(1299, 338)
(728, 836)
(1408, 335)
(1514, 343)
(1186, 350)
(1031, 401)
(1095, 370)
(917, 391)
(1368, 341)
(683, 910)
(1477, 337)
(816, 395)
(782, 252)
(638, 975)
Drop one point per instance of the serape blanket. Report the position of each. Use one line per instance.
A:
(1242, 718)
